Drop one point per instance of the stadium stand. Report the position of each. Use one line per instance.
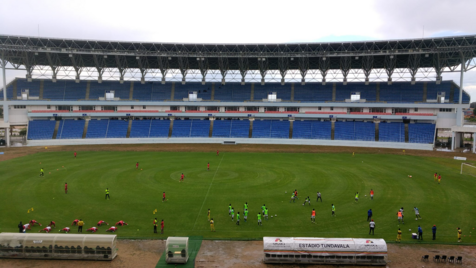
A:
(117, 129)
(271, 129)
(261, 128)
(71, 129)
(232, 92)
(402, 92)
(140, 129)
(142, 92)
(203, 91)
(222, 128)
(367, 92)
(240, 128)
(421, 133)
(159, 128)
(391, 132)
(41, 129)
(33, 87)
(312, 129)
(282, 92)
(200, 128)
(344, 130)
(364, 131)
(98, 90)
(181, 128)
(97, 129)
(313, 92)
(160, 92)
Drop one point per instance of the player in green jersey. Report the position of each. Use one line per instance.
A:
(238, 218)
(266, 213)
(262, 208)
(259, 219)
(232, 214)
(245, 215)
(229, 210)
(333, 210)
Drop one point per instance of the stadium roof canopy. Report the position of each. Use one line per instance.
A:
(441, 54)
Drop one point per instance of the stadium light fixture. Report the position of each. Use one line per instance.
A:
(203, 81)
(163, 81)
(223, 81)
(345, 81)
(242, 81)
(389, 81)
(323, 81)
(183, 80)
(282, 81)
(262, 81)
(303, 82)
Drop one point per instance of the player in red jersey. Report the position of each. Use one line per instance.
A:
(92, 229)
(137, 165)
(52, 224)
(112, 229)
(75, 154)
(162, 227)
(181, 178)
(218, 153)
(33, 222)
(65, 229)
(65, 187)
(47, 229)
(102, 222)
(208, 166)
(435, 176)
(26, 227)
(163, 197)
(75, 222)
(121, 223)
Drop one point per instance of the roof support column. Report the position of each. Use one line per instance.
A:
(5, 104)
(459, 110)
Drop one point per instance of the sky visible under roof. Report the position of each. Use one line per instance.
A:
(241, 21)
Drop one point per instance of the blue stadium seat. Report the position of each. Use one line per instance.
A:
(140, 129)
(232, 92)
(302, 129)
(421, 133)
(159, 128)
(71, 129)
(200, 128)
(367, 92)
(33, 87)
(279, 129)
(391, 132)
(312, 129)
(181, 128)
(240, 128)
(160, 92)
(313, 92)
(98, 90)
(364, 131)
(203, 91)
(222, 128)
(261, 129)
(344, 130)
(283, 92)
(54, 91)
(142, 92)
(97, 129)
(75, 91)
(117, 129)
(41, 129)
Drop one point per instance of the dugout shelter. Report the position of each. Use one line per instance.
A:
(176, 249)
(310, 250)
(58, 246)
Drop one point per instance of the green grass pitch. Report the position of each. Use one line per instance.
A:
(236, 178)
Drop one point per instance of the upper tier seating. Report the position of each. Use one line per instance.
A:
(398, 92)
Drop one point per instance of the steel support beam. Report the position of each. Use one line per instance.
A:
(5, 105)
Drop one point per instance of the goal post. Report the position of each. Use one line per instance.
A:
(468, 169)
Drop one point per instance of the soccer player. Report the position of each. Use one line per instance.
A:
(262, 208)
(65, 230)
(238, 218)
(208, 166)
(399, 235)
(102, 222)
(309, 200)
(313, 216)
(218, 153)
(292, 198)
(245, 215)
(212, 225)
(155, 225)
(319, 196)
(259, 219)
(47, 229)
(357, 197)
(420, 233)
(137, 165)
(333, 210)
(245, 206)
(305, 201)
(163, 196)
(372, 227)
(459, 234)
(92, 229)
(181, 177)
(65, 187)
(369, 215)
(208, 215)
(417, 213)
(75, 154)
(162, 227)
(400, 217)
(433, 230)
(266, 213)
(52, 224)
(42, 172)
(436, 176)
(295, 194)
(107, 194)
(80, 226)
(232, 214)
(33, 222)
(112, 229)
(75, 222)
(439, 179)
(371, 194)
(25, 227)
(403, 215)
(121, 223)
(20, 227)
(229, 210)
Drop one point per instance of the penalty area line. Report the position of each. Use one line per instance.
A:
(206, 196)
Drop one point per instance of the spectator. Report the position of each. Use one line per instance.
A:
(420, 233)
(433, 229)
(369, 214)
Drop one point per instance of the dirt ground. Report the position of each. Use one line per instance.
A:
(243, 254)
(14, 152)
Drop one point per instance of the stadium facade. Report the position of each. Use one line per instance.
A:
(382, 94)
